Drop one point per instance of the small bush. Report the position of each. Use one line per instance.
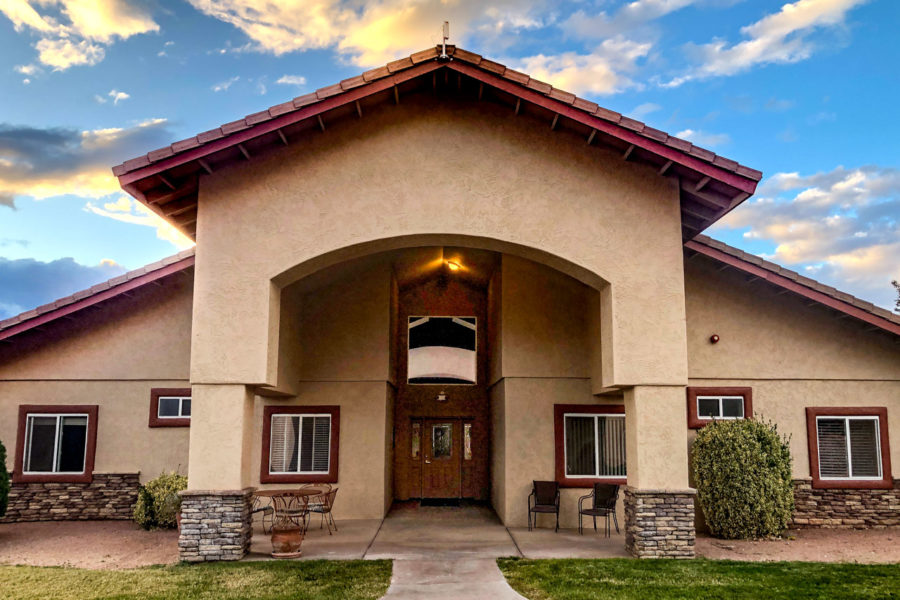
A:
(742, 472)
(4, 481)
(158, 502)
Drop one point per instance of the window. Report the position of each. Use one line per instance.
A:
(442, 350)
(56, 443)
(300, 444)
(590, 444)
(170, 407)
(848, 447)
(706, 404)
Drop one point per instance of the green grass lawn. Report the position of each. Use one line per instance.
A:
(272, 580)
(600, 579)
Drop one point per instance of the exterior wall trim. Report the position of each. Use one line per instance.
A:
(90, 449)
(155, 420)
(885, 483)
(694, 420)
(331, 476)
(559, 411)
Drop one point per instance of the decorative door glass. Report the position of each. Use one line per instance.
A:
(416, 438)
(441, 440)
(467, 441)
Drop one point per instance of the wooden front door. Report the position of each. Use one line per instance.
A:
(441, 469)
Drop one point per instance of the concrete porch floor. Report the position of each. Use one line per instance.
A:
(471, 531)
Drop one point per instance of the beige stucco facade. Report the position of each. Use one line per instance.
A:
(293, 302)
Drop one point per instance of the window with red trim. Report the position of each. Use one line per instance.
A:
(848, 447)
(170, 407)
(300, 444)
(56, 443)
(590, 444)
(706, 404)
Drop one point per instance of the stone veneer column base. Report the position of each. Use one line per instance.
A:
(845, 508)
(107, 496)
(215, 525)
(659, 523)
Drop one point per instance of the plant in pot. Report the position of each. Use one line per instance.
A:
(289, 527)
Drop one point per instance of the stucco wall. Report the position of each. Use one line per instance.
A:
(491, 175)
(110, 356)
(791, 354)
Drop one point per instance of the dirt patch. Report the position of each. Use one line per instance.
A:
(86, 544)
(825, 545)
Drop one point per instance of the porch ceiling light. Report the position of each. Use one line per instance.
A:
(453, 265)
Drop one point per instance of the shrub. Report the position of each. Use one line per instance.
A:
(4, 481)
(742, 472)
(158, 502)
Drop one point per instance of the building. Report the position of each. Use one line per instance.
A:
(443, 278)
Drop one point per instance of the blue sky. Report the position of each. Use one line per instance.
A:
(804, 91)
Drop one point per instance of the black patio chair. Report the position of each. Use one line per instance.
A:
(603, 504)
(544, 498)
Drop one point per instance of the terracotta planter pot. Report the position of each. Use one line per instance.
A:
(286, 542)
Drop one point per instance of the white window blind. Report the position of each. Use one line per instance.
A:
(595, 445)
(300, 444)
(849, 447)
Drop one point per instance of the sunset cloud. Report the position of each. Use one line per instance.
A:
(840, 226)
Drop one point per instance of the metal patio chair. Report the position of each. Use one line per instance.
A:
(265, 508)
(544, 498)
(603, 499)
(324, 508)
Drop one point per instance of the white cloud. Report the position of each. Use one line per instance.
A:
(642, 110)
(704, 138)
(77, 31)
(781, 37)
(292, 80)
(841, 226)
(117, 95)
(634, 14)
(604, 71)
(370, 33)
(126, 210)
(224, 85)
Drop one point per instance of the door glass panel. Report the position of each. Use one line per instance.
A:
(442, 350)
(441, 440)
(467, 441)
(416, 439)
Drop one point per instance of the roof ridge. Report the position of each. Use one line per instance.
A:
(109, 284)
(434, 54)
(798, 278)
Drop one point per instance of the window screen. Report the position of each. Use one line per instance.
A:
(595, 445)
(300, 444)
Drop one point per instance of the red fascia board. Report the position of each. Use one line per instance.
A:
(98, 297)
(576, 114)
(795, 287)
(279, 122)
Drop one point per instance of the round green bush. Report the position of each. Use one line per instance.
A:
(158, 502)
(4, 481)
(742, 472)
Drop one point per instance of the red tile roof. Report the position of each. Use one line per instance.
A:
(162, 175)
(98, 293)
(797, 283)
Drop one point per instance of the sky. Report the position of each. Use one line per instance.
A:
(804, 91)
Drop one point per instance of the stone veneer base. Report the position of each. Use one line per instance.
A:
(215, 525)
(659, 523)
(845, 508)
(107, 496)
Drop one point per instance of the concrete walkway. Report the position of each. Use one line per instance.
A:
(468, 578)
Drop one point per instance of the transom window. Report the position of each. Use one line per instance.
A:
(55, 443)
(594, 445)
(300, 443)
(849, 447)
(442, 350)
(174, 407)
(720, 407)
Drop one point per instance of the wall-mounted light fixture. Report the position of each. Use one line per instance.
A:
(714, 339)
(453, 265)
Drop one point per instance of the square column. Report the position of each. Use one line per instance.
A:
(215, 509)
(659, 505)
